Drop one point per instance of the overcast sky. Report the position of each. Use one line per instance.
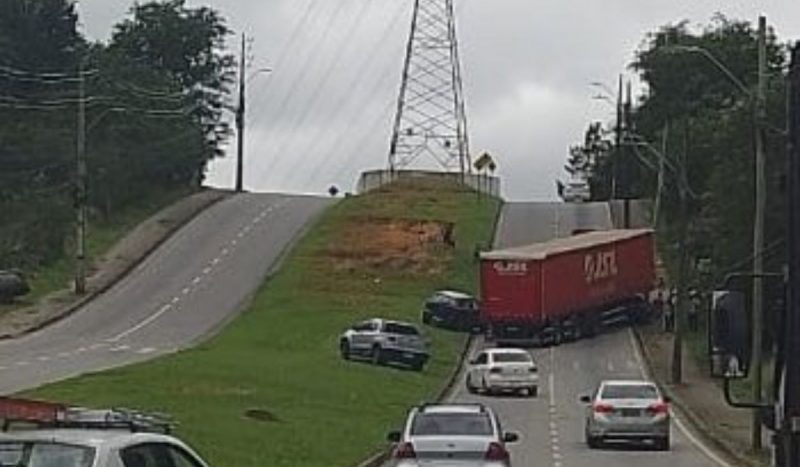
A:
(326, 111)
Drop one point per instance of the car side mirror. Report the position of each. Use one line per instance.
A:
(393, 437)
(586, 399)
(729, 335)
(510, 437)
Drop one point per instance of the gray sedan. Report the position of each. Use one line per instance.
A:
(627, 411)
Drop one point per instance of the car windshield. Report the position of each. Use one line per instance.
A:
(43, 454)
(457, 424)
(629, 391)
(511, 357)
(396, 328)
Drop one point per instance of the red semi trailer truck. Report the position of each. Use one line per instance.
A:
(566, 288)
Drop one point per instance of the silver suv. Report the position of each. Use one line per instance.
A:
(467, 435)
(385, 341)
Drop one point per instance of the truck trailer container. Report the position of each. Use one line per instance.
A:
(565, 287)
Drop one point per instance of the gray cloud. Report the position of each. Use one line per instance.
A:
(326, 111)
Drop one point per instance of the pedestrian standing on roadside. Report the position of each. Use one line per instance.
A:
(669, 311)
(694, 311)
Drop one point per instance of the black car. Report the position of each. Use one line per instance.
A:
(452, 310)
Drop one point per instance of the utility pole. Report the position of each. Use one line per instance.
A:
(80, 186)
(758, 231)
(240, 112)
(617, 143)
(627, 165)
(677, 342)
(788, 407)
(661, 168)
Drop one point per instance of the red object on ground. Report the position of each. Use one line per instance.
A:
(571, 278)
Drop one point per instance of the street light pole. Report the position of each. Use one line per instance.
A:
(758, 231)
(80, 186)
(240, 112)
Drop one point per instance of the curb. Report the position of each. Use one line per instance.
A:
(83, 301)
(381, 457)
(696, 423)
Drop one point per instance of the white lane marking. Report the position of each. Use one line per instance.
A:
(215, 261)
(44, 359)
(224, 252)
(22, 363)
(141, 324)
(186, 290)
(3, 368)
(97, 346)
(196, 280)
(239, 235)
(64, 354)
(146, 350)
(551, 379)
(708, 452)
(120, 348)
(234, 242)
(175, 300)
(207, 270)
(81, 350)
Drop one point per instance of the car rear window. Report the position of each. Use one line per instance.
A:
(629, 391)
(395, 328)
(42, 454)
(453, 424)
(509, 357)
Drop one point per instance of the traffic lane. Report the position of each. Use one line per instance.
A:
(552, 425)
(578, 368)
(528, 416)
(526, 223)
(130, 324)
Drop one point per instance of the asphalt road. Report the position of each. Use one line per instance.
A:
(551, 425)
(187, 289)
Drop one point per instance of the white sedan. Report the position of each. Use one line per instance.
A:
(503, 369)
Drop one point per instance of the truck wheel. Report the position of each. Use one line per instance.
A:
(533, 391)
(594, 442)
(377, 355)
(344, 349)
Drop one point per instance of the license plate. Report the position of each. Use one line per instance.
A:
(630, 412)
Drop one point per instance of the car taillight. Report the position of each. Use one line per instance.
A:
(405, 451)
(659, 408)
(496, 452)
(496, 370)
(600, 407)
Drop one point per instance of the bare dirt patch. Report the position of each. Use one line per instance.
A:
(400, 245)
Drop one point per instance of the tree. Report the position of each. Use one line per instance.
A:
(189, 45)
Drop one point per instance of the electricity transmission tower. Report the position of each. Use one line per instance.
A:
(431, 119)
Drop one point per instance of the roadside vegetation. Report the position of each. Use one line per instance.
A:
(154, 118)
(702, 122)
(271, 389)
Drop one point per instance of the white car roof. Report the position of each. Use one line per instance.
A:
(627, 382)
(507, 350)
(453, 408)
(454, 294)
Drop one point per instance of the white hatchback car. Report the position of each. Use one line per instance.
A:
(503, 369)
(464, 435)
(40, 434)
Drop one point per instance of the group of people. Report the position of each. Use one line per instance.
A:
(665, 304)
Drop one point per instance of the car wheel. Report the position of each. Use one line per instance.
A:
(418, 365)
(344, 349)
(377, 355)
(484, 387)
(470, 387)
(662, 444)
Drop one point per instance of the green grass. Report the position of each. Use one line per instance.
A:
(281, 355)
(101, 236)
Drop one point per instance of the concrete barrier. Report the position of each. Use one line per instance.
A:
(372, 180)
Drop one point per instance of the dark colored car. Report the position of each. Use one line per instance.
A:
(452, 310)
